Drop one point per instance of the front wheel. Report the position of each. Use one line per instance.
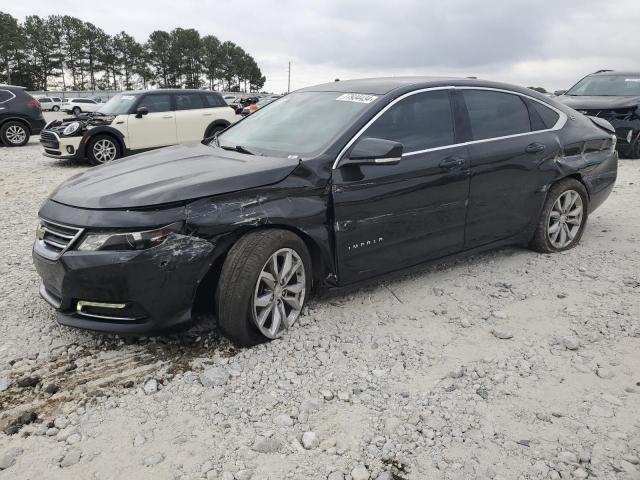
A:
(14, 134)
(76, 111)
(103, 149)
(55, 108)
(263, 285)
(563, 217)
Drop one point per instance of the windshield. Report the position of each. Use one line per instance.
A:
(118, 105)
(607, 85)
(302, 124)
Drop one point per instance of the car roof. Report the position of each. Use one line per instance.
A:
(385, 85)
(12, 86)
(168, 90)
(618, 73)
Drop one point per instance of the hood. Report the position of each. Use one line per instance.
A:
(598, 103)
(169, 175)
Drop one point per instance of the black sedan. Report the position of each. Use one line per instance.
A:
(329, 186)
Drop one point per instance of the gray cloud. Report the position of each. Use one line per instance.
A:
(543, 42)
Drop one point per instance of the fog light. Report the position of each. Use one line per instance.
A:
(629, 136)
(70, 149)
(102, 310)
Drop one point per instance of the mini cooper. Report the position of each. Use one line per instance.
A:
(329, 186)
(133, 122)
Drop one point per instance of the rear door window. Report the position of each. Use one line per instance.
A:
(45, 99)
(212, 100)
(418, 122)
(188, 101)
(156, 103)
(496, 114)
(5, 95)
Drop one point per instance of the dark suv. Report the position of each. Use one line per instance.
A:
(614, 96)
(20, 116)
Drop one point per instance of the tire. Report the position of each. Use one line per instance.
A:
(103, 148)
(241, 282)
(548, 239)
(14, 134)
(76, 111)
(212, 131)
(634, 151)
(55, 108)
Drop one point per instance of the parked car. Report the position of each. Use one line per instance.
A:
(20, 116)
(132, 122)
(230, 99)
(50, 103)
(614, 96)
(330, 186)
(241, 102)
(257, 105)
(79, 105)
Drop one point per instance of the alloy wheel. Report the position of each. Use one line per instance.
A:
(104, 151)
(15, 134)
(279, 293)
(565, 219)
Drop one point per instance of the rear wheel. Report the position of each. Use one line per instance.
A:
(563, 217)
(14, 134)
(55, 108)
(76, 111)
(103, 149)
(212, 131)
(263, 285)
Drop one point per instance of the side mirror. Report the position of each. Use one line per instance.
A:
(375, 151)
(141, 111)
(557, 93)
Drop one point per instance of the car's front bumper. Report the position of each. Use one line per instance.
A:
(127, 292)
(56, 146)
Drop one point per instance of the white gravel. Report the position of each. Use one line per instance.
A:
(507, 365)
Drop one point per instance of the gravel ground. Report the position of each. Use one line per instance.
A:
(506, 365)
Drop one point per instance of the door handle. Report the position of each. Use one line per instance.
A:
(207, 114)
(535, 147)
(451, 163)
(167, 116)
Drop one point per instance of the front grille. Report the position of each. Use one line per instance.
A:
(49, 139)
(57, 238)
(609, 114)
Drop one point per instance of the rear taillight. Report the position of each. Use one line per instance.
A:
(33, 103)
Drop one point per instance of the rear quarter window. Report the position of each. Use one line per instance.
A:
(211, 100)
(5, 96)
(547, 116)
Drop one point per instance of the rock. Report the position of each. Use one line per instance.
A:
(385, 476)
(612, 400)
(310, 440)
(391, 425)
(580, 473)
(336, 476)
(571, 343)
(632, 459)
(61, 423)
(8, 457)
(153, 459)
(52, 388)
(567, 457)
(28, 417)
(227, 476)
(327, 395)
(499, 314)
(214, 377)
(344, 396)
(283, 420)
(71, 458)
(501, 334)
(310, 405)
(601, 411)
(266, 444)
(244, 474)
(360, 473)
(139, 440)
(28, 382)
(151, 386)
(4, 383)
(482, 392)
(457, 373)
(74, 438)
(605, 373)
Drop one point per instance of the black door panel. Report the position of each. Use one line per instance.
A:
(388, 217)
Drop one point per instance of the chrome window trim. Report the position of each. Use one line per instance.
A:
(13, 95)
(562, 120)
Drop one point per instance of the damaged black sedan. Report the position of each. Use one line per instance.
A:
(328, 186)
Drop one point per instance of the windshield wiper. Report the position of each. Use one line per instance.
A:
(237, 148)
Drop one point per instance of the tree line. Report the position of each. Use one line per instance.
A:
(63, 52)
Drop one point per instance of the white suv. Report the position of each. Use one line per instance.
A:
(79, 105)
(50, 103)
(132, 122)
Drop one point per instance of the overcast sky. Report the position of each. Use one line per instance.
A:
(549, 43)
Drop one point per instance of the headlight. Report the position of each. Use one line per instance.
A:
(72, 128)
(129, 240)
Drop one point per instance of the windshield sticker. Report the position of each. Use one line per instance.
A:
(128, 97)
(632, 79)
(356, 97)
